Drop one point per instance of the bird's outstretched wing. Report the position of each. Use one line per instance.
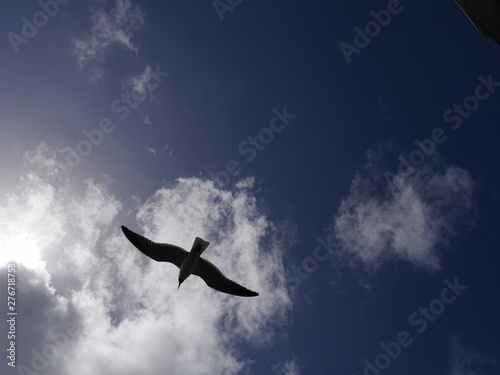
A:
(215, 279)
(161, 252)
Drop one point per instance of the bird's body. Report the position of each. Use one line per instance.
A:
(191, 260)
(188, 263)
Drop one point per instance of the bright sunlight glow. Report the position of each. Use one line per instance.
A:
(21, 249)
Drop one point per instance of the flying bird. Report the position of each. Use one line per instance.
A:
(484, 15)
(188, 262)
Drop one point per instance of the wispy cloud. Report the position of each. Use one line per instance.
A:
(468, 361)
(142, 86)
(46, 160)
(409, 219)
(142, 81)
(166, 149)
(130, 315)
(151, 151)
(289, 367)
(116, 26)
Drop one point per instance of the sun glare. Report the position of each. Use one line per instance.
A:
(21, 249)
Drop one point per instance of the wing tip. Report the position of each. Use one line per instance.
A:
(250, 293)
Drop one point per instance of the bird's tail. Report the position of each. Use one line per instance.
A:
(199, 245)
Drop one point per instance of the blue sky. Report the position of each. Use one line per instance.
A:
(340, 158)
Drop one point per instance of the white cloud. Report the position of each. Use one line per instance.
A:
(47, 323)
(131, 317)
(29, 222)
(114, 27)
(410, 220)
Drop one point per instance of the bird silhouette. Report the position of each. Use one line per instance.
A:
(188, 262)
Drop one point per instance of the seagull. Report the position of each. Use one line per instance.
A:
(188, 263)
